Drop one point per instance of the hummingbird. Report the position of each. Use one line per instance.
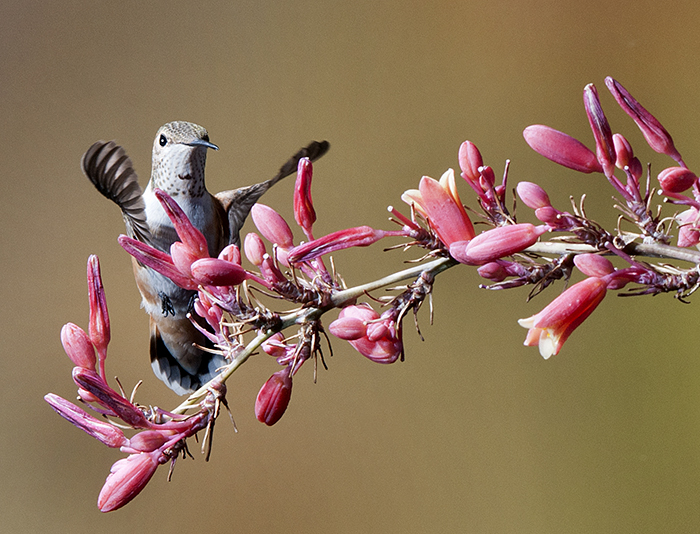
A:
(179, 156)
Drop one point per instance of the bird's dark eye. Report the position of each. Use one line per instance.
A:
(163, 140)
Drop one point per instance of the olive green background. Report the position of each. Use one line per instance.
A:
(473, 432)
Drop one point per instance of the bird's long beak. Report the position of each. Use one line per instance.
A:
(202, 142)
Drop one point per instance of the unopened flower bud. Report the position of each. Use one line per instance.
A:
(688, 233)
(676, 179)
(78, 346)
(304, 213)
(655, 134)
(469, 161)
(348, 328)
(593, 265)
(254, 249)
(487, 178)
(183, 257)
(561, 148)
(127, 478)
(231, 253)
(623, 151)
(532, 195)
(147, 441)
(548, 215)
(100, 430)
(273, 398)
(99, 329)
(497, 243)
(272, 225)
(216, 272)
(492, 271)
(605, 150)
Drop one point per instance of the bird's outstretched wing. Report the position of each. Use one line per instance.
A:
(238, 202)
(110, 170)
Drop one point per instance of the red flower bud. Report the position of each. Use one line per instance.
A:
(273, 398)
(126, 479)
(676, 179)
(470, 161)
(216, 272)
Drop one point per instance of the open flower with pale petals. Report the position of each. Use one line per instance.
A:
(550, 328)
(439, 203)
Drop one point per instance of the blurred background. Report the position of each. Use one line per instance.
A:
(473, 432)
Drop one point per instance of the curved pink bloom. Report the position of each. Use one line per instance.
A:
(126, 479)
(561, 148)
(550, 328)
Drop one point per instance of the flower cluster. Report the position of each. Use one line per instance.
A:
(160, 437)
(231, 298)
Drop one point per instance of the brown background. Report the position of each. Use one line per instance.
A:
(473, 433)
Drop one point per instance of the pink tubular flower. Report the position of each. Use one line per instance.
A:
(439, 203)
(361, 236)
(654, 133)
(100, 430)
(273, 398)
(126, 479)
(99, 317)
(496, 243)
(604, 145)
(561, 148)
(550, 328)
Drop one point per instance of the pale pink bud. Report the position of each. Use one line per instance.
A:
(561, 148)
(360, 236)
(231, 253)
(348, 328)
(688, 234)
(182, 257)
(492, 271)
(216, 272)
(273, 398)
(156, 260)
(272, 226)
(550, 328)
(254, 249)
(593, 265)
(470, 161)
(147, 441)
(127, 478)
(497, 243)
(304, 213)
(99, 328)
(676, 179)
(548, 215)
(487, 178)
(623, 151)
(532, 195)
(655, 134)
(605, 150)
(100, 430)
(274, 345)
(78, 346)
(386, 349)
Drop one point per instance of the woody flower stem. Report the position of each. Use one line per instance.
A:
(338, 300)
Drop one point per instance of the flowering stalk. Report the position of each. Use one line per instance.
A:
(505, 252)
